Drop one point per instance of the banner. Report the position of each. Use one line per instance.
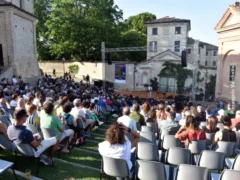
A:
(120, 73)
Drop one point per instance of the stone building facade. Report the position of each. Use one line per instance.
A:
(228, 76)
(166, 39)
(18, 40)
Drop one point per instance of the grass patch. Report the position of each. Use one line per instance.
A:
(97, 138)
(90, 146)
(84, 158)
(8, 175)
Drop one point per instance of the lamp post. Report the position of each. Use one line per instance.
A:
(63, 61)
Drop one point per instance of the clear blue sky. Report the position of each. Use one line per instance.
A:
(204, 14)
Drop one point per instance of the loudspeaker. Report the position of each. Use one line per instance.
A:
(109, 58)
(184, 58)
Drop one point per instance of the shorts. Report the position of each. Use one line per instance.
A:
(45, 144)
(66, 133)
(88, 122)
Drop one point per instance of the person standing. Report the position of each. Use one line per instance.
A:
(54, 72)
(149, 92)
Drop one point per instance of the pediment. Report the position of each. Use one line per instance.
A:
(167, 56)
(230, 18)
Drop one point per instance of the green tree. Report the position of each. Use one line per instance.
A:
(76, 28)
(138, 22)
(154, 83)
(211, 87)
(73, 69)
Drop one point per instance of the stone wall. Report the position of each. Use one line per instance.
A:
(94, 70)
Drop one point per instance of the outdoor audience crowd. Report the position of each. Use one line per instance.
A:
(72, 110)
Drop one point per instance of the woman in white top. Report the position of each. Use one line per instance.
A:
(116, 145)
(13, 102)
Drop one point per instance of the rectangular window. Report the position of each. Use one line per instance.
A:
(206, 53)
(177, 30)
(1, 56)
(215, 53)
(189, 51)
(154, 31)
(206, 63)
(153, 46)
(177, 46)
(214, 63)
(232, 73)
(199, 51)
(21, 4)
(165, 30)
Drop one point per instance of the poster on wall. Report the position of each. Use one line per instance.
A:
(120, 73)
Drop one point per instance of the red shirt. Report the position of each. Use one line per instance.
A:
(192, 135)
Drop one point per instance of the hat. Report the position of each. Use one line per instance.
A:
(220, 112)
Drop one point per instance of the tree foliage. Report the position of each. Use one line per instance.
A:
(154, 83)
(73, 69)
(177, 71)
(137, 22)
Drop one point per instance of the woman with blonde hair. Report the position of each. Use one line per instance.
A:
(161, 114)
(145, 109)
(29, 102)
(212, 125)
(20, 104)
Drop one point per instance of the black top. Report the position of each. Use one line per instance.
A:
(208, 131)
(228, 135)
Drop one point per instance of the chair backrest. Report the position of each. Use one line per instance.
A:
(5, 120)
(220, 126)
(25, 149)
(147, 151)
(176, 156)
(153, 125)
(146, 168)
(5, 143)
(80, 124)
(148, 137)
(48, 133)
(115, 167)
(228, 148)
(147, 129)
(210, 138)
(170, 141)
(229, 174)
(196, 147)
(163, 133)
(31, 127)
(203, 124)
(128, 136)
(236, 163)
(212, 160)
(187, 172)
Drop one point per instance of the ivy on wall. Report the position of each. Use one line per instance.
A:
(198, 77)
(178, 72)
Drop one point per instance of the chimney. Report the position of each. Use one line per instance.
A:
(237, 4)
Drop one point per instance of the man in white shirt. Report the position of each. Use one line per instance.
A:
(126, 120)
(36, 101)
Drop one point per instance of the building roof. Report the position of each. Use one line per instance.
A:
(168, 19)
(209, 46)
(235, 8)
(6, 3)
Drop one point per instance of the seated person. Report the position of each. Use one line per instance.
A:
(116, 146)
(20, 135)
(170, 123)
(135, 115)
(48, 120)
(190, 132)
(226, 134)
(212, 125)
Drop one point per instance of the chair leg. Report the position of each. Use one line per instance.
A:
(14, 173)
(38, 166)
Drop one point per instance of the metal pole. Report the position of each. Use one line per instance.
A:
(103, 50)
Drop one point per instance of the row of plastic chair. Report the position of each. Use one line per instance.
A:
(146, 170)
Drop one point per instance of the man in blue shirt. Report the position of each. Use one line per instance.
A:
(19, 134)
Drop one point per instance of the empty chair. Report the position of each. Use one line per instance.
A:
(115, 167)
(187, 172)
(170, 141)
(147, 129)
(236, 163)
(220, 126)
(153, 125)
(176, 156)
(147, 151)
(210, 138)
(5, 120)
(228, 148)
(196, 147)
(148, 137)
(230, 175)
(146, 169)
(27, 150)
(164, 132)
(212, 160)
